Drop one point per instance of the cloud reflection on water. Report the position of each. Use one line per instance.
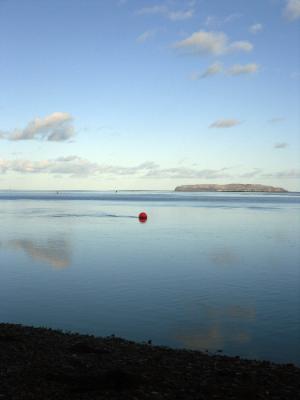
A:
(224, 257)
(210, 338)
(213, 338)
(230, 312)
(218, 328)
(55, 252)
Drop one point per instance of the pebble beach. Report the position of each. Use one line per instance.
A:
(44, 364)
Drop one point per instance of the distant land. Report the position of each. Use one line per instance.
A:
(231, 187)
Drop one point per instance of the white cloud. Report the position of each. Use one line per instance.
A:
(214, 43)
(213, 69)
(190, 173)
(243, 69)
(146, 36)
(56, 127)
(295, 75)
(180, 15)
(255, 28)
(157, 9)
(204, 42)
(173, 15)
(77, 167)
(292, 9)
(251, 174)
(232, 17)
(217, 68)
(71, 165)
(68, 158)
(214, 21)
(74, 166)
(291, 174)
(281, 145)
(276, 120)
(242, 45)
(225, 123)
(210, 20)
(195, 76)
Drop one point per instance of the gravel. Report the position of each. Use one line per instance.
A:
(39, 363)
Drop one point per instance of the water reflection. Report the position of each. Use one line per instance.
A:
(242, 337)
(54, 252)
(233, 311)
(210, 338)
(224, 257)
(219, 328)
(213, 338)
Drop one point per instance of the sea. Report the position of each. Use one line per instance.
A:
(216, 272)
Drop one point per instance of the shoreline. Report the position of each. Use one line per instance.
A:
(41, 363)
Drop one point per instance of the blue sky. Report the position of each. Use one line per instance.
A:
(106, 94)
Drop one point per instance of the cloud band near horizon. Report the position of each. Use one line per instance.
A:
(74, 166)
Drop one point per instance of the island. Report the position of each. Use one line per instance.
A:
(231, 187)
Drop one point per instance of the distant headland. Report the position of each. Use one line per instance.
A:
(231, 187)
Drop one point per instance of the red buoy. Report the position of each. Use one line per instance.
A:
(143, 217)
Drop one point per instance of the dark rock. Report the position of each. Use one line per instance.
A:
(84, 348)
(44, 364)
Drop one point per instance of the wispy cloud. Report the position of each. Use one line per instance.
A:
(281, 145)
(214, 69)
(210, 21)
(204, 42)
(276, 120)
(241, 45)
(188, 173)
(255, 28)
(180, 15)
(251, 174)
(295, 75)
(212, 43)
(146, 36)
(156, 9)
(75, 166)
(56, 127)
(71, 165)
(243, 69)
(173, 15)
(292, 9)
(214, 21)
(232, 17)
(260, 174)
(225, 123)
(290, 173)
(79, 168)
(217, 68)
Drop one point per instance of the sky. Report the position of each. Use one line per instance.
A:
(145, 94)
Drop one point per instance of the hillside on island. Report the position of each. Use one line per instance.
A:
(231, 187)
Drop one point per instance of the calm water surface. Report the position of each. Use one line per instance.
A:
(207, 271)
